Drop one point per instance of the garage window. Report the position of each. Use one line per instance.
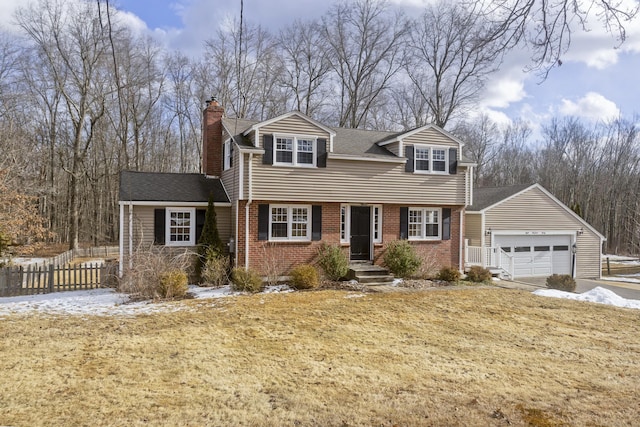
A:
(561, 248)
(522, 249)
(541, 248)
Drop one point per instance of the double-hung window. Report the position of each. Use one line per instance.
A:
(424, 223)
(181, 227)
(295, 150)
(431, 159)
(290, 222)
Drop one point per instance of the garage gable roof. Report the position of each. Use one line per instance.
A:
(170, 187)
(490, 197)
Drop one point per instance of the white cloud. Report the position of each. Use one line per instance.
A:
(592, 106)
(503, 91)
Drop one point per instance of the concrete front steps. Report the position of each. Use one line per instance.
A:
(369, 274)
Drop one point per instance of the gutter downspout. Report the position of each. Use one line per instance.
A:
(130, 235)
(460, 248)
(121, 241)
(246, 212)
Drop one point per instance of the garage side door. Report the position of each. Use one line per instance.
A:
(540, 255)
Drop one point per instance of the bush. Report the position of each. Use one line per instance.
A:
(244, 280)
(478, 274)
(449, 274)
(173, 284)
(333, 261)
(401, 258)
(561, 282)
(304, 276)
(215, 270)
(143, 279)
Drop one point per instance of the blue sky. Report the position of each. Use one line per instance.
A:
(595, 81)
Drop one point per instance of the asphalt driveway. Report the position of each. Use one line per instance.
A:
(625, 290)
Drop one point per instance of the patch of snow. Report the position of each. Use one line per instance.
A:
(598, 294)
(397, 282)
(100, 302)
(355, 295)
(276, 289)
(29, 261)
(107, 302)
(627, 279)
(620, 259)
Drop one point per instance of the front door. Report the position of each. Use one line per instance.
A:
(360, 233)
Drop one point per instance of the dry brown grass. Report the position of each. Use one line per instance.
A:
(329, 358)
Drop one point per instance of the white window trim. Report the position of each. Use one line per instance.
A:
(294, 155)
(289, 238)
(345, 223)
(431, 148)
(227, 153)
(192, 227)
(376, 227)
(423, 226)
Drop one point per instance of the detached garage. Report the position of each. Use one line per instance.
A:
(524, 231)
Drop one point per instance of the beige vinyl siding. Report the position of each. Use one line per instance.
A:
(394, 147)
(143, 225)
(356, 182)
(535, 211)
(293, 125)
(230, 177)
(473, 229)
(431, 137)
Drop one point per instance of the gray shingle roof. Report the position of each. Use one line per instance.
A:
(488, 196)
(169, 187)
(354, 142)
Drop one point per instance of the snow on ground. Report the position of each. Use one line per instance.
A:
(597, 294)
(106, 302)
(626, 278)
(621, 259)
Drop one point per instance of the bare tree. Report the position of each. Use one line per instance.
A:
(481, 136)
(451, 54)
(306, 68)
(244, 67)
(546, 25)
(364, 44)
(71, 41)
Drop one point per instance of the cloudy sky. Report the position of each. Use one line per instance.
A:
(595, 82)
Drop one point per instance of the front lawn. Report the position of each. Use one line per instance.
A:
(329, 358)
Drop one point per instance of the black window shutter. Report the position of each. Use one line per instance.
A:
(200, 216)
(453, 161)
(404, 223)
(316, 222)
(408, 153)
(321, 161)
(159, 226)
(446, 224)
(263, 222)
(267, 158)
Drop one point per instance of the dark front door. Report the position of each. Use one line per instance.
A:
(360, 233)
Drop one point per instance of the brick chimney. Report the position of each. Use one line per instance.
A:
(212, 138)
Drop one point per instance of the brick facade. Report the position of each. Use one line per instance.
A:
(279, 257)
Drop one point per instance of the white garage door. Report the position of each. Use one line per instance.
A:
(539, 255)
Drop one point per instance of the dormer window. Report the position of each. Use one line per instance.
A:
(294, 150)
(430, 159)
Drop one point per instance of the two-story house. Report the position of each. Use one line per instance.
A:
(284, 186)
